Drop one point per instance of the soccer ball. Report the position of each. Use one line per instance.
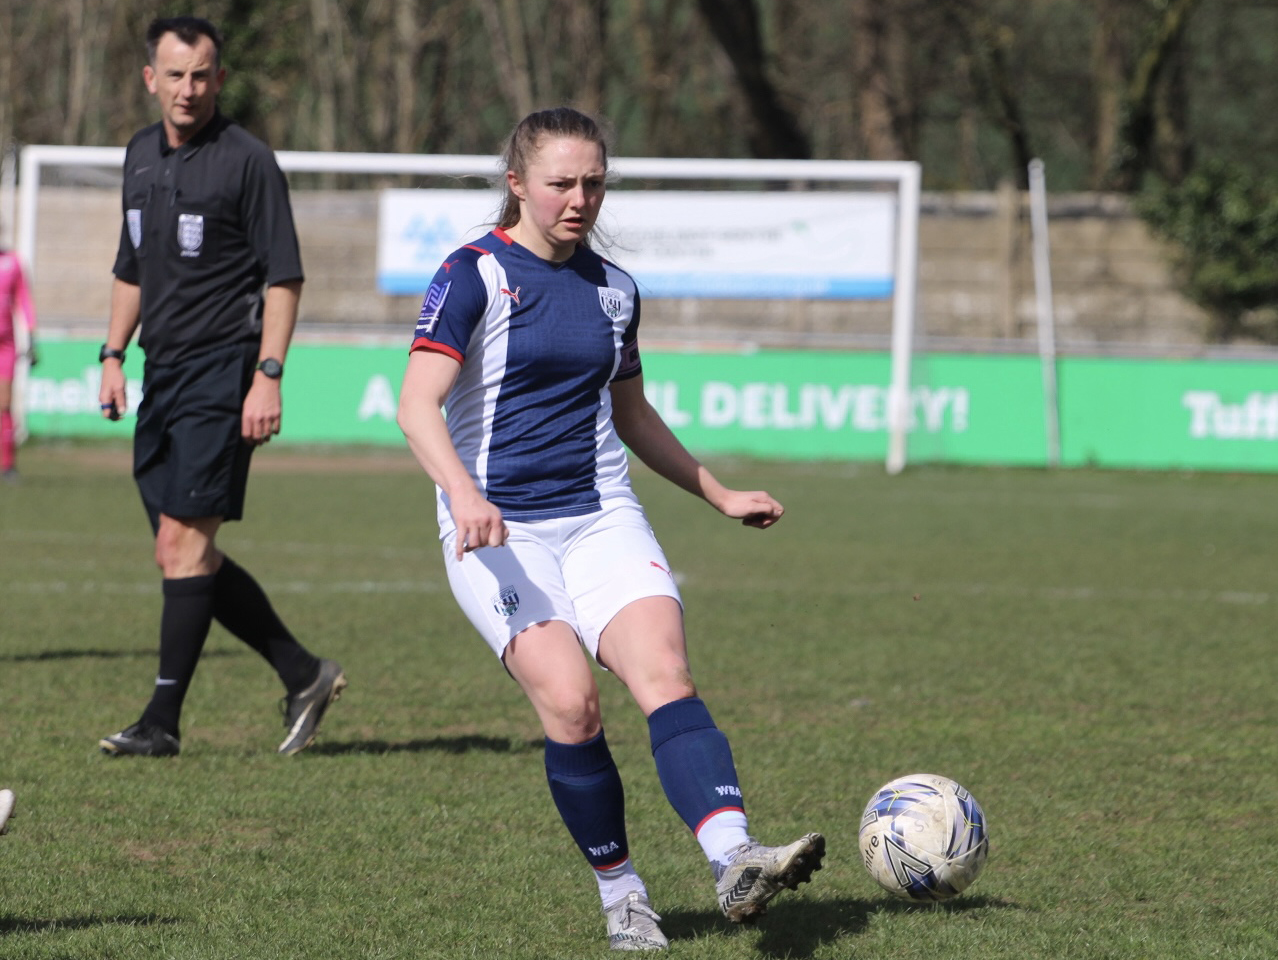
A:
(923, 837)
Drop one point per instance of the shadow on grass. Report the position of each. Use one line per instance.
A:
(465, 744)
(19, 925)
(44, 655)
(799, 928)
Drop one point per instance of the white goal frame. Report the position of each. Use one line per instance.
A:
(906, 176)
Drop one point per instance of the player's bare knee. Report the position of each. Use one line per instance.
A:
(165, 548)
(655, 689)
(184, 550)
(171, 559)
(568, 716)
(670, 676)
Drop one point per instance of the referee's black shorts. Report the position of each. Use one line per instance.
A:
(189, 458)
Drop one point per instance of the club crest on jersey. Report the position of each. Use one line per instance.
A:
(431, 305)
(190, 233)
(134, 219)
(611, 299)
(506, 602)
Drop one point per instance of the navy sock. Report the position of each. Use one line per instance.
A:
(587, 790)
(184, 626)
(242, 607)
(694, 761)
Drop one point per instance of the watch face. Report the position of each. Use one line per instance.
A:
(272, 368)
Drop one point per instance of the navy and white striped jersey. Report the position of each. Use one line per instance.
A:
(539, 343)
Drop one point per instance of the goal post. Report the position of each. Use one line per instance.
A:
(903, 177)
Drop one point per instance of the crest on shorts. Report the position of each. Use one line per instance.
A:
(611, 299)
(190, 233)
(134, 219)
(506, 602)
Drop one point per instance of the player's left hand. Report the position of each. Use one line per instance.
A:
(754, 508)
(262, 411)
(33, 355)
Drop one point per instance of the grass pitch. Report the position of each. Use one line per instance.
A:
(1092, 654)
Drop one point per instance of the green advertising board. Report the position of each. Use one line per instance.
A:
(964, 408)
(833, 406)
(333, 392)
(1170, 414)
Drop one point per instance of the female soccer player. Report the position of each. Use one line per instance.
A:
(528, 338)
(13, 293)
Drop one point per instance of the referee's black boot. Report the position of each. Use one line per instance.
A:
(141, 740)
(303, 711)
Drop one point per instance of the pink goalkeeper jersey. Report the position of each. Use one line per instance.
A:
(13, 292)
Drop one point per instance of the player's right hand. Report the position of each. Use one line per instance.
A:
(479, 523)
(111, 394)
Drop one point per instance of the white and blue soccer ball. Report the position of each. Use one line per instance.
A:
(923, 837)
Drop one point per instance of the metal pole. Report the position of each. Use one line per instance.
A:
(903, 314)
(1043, 305)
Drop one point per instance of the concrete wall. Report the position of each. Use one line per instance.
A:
(1111, 281)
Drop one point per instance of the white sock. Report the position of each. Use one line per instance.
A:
(615, 883)
(722, 834)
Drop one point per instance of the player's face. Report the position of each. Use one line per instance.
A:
(559, 196)
(185, 80)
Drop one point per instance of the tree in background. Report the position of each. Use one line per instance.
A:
(986, 65)
(1103, 91)
(1222, 224)
(1141, 91)
(774, 131)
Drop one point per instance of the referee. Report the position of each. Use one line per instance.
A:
(208, 266)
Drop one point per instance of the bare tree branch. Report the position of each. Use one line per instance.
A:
(1134, 145)
(774, 131)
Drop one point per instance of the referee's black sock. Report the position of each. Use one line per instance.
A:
(243, 608)
(184, 626)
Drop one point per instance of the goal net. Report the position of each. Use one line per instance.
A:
(693, 231)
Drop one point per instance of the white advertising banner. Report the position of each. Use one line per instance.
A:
(677, 244)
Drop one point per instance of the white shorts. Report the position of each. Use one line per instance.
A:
(581, 570)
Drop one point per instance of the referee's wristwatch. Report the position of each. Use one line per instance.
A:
(272, 368)
(107, 353)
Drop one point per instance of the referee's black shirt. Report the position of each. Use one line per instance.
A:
(206, 226)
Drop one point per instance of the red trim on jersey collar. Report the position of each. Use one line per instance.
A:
(507, 239)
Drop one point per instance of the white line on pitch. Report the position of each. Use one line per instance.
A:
(293, 586)
(436, 585)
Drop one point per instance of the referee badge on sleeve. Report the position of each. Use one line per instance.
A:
(190, 233)
(134, 219)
